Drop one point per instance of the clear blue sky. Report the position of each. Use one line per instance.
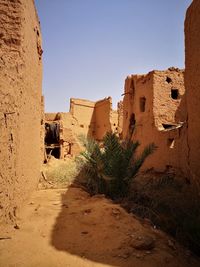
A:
(90, 46)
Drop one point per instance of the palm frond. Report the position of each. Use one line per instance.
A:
(148, 150)
(110, 169)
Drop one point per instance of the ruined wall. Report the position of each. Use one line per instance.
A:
(87, 118)
(114, 121)
(103, 116)
(137, 86)
(83, 113)
(192, 83)
(120, 117)
(70, 130)
(52, 116)
(93, 119)
(20, 104)
(148, 108)
(168, 90)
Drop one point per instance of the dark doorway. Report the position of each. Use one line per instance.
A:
(174, 93)
(54, 151)
(52, 133)
(132, 122)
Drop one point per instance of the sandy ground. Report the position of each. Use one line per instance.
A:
(60, 227)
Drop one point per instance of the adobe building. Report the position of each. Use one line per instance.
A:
(20, 104)
(87, 118)
(60, 141)
(192, 84)
(154, 112)
(93, 119)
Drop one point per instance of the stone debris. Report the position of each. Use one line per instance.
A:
(143, 243)
(171, 244)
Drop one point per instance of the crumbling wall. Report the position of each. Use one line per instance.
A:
(168, 90)
(93, 119)
(150, 115)
(114, 121)
(192, 83)
(103, 116)
(69, 131)
(20, 104)
(87, 118)
(70, 143)
(52, 116)
(82, 111)
(120, 117)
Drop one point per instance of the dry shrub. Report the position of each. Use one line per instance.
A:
(60, 172)
(171, 203)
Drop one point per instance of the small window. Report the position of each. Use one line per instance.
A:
(114, 124)
(132, 87)
(132, 120)
(168, 80)
(81, 125)
(142, 104)
(174, 93)
(168, 126)
(132, 123)
(170, 142)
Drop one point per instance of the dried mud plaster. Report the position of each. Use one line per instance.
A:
(20, 104)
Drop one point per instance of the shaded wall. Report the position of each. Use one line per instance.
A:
(42, 130)
(20, 107)
(120, 117)
(192, 83)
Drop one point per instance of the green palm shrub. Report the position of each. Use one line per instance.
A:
(111, 166)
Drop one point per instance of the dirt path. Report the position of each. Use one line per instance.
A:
(69, 228)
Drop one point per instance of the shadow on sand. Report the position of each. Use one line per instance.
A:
(92, 228)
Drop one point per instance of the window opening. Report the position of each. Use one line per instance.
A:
(168, 80)
(132, 122)
(174, 93)
(168, 126)
(142, 104)
(52, 133)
